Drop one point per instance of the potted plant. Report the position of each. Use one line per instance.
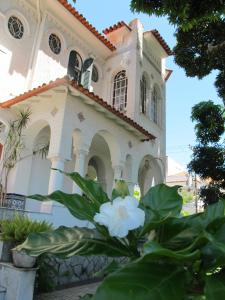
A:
(14, 232)
(180, 257)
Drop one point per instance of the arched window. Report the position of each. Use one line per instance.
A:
(154, 106)
(143, 88)
(75, 66)
(120, 91)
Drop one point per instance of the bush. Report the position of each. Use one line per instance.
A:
(18, 229)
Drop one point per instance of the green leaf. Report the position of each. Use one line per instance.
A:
(153, 250)
(160, 204)
(143, 281)
(112, 267)
(91, 189)
(163, 200)
(120, 189)
(80, 207)
(215, 286)
(66, 242)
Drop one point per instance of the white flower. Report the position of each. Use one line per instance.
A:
(120, 216)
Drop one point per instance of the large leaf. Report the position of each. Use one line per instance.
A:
(215, 286)
(163, 200)
(91, 189)
(65, 242)
(80, 207)
(143, 281)
(210, 216)
(153, 250)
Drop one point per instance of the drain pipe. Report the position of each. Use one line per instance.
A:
(36, 44)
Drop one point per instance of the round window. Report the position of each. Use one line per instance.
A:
(15, 27)
(54, 43)
(94, 76)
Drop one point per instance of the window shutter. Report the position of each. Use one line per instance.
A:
(87, 72)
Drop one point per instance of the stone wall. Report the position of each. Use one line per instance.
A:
(75, 269)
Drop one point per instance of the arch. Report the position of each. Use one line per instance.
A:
(32, 131)
(75, 65)
(113, 145)
(97, 171)
(40, 165)
(119, 96)
(149, 173)
(101, 151)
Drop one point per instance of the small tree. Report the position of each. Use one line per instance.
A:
(208, 160)
(12, 149)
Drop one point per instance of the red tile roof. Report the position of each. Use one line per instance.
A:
(97, 99)
(83, 21)
(168, 74)
(161, 41)
(115, 27)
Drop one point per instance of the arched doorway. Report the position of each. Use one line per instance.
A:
(96, 171)
(149, 174)
(99, 164)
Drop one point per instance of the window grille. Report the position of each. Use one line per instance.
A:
(120, 91)
(54, 43)
(15, 27)
(143, 87)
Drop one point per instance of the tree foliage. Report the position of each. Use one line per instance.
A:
(184, 13)
(208, 159)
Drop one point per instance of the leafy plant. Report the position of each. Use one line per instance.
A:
(18, 229)
(208, 159)
(13, 146)
(169, 257)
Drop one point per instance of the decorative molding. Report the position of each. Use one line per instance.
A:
(130, 145)
(54, 111)
(80, 116)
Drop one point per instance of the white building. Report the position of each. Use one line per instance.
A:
(106, 117)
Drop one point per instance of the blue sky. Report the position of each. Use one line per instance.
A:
(182, 92)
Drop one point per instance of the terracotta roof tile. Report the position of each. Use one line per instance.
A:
(115, 27)
(97, 99)
(168, 74)
(161, 41)
(83, 21)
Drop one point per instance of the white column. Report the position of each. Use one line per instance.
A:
(118, 170)
(81, 155)
(56, 178)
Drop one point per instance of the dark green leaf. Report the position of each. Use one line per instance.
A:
(91, 189)
(80, 207)
(153, 250)
(143, 281)
(215, 286)
(163, 200)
